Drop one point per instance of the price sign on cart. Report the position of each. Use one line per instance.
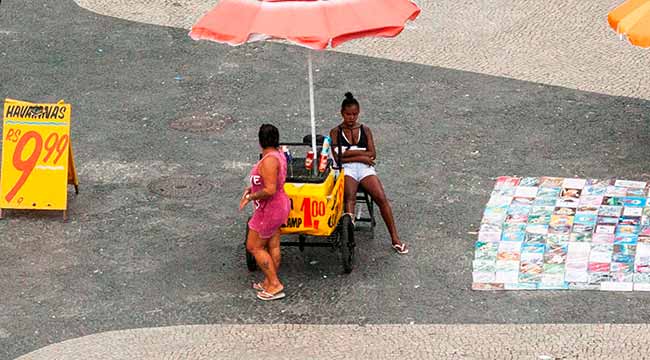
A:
(35, 155)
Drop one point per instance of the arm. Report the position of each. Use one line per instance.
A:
(371, 144)
(358, 158)
(364, 156)
(269, 171)
(355, 153)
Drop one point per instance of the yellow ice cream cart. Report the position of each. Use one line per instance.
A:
(317, 210)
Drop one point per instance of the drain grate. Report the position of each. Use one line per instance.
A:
(180, 187)
(202, 123)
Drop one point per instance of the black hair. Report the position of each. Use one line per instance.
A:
(349, 101)
(269, 136)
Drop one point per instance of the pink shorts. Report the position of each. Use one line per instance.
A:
(268, 220)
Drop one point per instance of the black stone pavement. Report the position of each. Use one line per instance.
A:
(129, 258)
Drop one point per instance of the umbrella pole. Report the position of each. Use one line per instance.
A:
(311, 109)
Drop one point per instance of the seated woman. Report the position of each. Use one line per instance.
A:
(358, 160)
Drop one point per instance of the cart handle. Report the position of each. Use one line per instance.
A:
(293, 144)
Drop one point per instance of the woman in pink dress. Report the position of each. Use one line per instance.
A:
(271, 210)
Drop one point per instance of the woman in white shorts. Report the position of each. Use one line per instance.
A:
(358, 160)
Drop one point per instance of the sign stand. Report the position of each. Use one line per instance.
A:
(73, 179)
(37, 159)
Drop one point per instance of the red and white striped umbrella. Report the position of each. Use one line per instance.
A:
(315, 24)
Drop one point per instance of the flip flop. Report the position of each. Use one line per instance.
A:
(401, 249)
(257, 286)
(266, 296)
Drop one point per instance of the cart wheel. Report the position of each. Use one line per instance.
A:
(250, 259)
(346, 237)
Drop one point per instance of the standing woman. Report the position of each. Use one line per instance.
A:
(271, 209)
(358, 160)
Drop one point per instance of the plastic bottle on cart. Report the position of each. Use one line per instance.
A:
(287, 153)
(309, 160)
(324, 154)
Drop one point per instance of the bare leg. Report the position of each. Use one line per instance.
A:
(350, 194)
(273, 247)
(274, 250)
(256, 246)
(374, 187)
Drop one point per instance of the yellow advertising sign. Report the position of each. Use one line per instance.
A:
(315, 208)
(35, 155)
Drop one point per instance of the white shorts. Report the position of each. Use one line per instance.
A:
(358, 171)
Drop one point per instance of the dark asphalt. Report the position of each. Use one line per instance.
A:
(130, 258)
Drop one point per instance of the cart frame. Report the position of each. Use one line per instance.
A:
(338, 227)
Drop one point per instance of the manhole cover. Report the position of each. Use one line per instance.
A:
(202, 123)
(180, 187)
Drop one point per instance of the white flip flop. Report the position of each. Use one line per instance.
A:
(401, 249)
(266, 296)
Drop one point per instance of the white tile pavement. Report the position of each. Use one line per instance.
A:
(558, 42)
(537, 341)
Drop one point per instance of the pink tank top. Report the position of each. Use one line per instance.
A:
(279, 199)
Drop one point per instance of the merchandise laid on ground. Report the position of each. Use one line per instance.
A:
(564, 233)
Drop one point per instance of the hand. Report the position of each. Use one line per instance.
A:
(243, 202)
(368, 161)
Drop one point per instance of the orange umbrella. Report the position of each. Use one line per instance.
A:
(632, 19)
(315, 24)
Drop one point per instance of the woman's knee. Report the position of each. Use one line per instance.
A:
(380, 198)
(274, 243)
(253, 245)
(251, 248)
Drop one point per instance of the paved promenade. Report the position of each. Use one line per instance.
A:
(557, 42)
(204, 342)
(151, 263)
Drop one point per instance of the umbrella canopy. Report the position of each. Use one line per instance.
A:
(632, 19)
(311, 23)
(315, 24)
